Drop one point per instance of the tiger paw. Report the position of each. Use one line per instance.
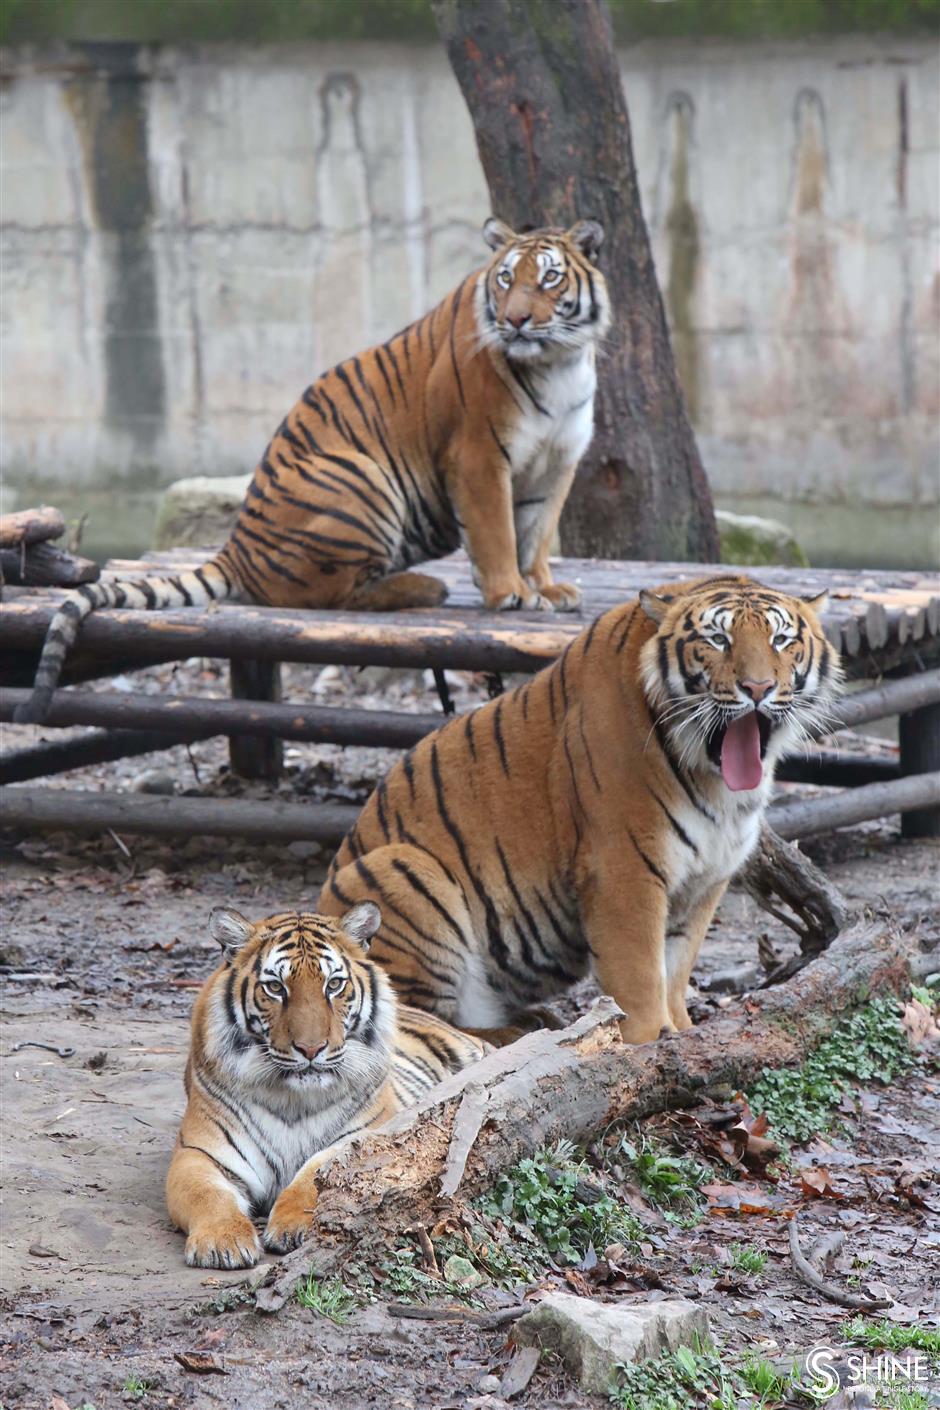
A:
(290, 1220)
(524, 598)
(229, 1243)
(564, 597)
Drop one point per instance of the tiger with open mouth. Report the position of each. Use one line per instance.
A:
(593, 817)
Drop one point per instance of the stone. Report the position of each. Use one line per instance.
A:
(162, 781)
(488, 1385)
(753, 542)
(199, 512)
(461, 1272)
(593, 1338)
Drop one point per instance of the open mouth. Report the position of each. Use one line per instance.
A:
(737, 747)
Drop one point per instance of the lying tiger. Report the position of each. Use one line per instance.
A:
(594, 816)
(465, 428)
(297, 1043)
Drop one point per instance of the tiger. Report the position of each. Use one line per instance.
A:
(298, 1043)
(592, 817)
(464, 429)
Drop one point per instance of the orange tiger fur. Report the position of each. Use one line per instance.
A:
(465, 428)
(298, 1042)
(594, 816)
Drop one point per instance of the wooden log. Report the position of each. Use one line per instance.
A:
(256, 756)
(200, 718)
(44, 565)
(270, 820)
(919, 739)
(97, 747)
(28, 526)
(891, 697)
(827, 769)
(808, 816)
(574, 1083)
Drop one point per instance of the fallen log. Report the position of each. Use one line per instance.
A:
(194, 718)
(805, 817)
(28, 526)
(100, 746)
(267, 820)
(573, 1083)
(44, 565)
(79, 810)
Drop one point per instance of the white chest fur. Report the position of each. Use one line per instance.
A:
(714, 848)
(555, 422)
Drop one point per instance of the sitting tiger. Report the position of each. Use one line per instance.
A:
(298, 1042)
(465, 428)
(593, 816)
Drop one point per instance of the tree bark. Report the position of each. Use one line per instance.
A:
(573, 1083)
(541, 80)
(30, 526)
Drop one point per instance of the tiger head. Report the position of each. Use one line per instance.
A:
(736, 674)
(541, 296)
(299, 1000)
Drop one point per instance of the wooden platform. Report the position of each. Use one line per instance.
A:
(886, 625)
(880, 622)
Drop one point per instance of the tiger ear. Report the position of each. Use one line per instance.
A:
(497, 233)
(230, 929)
(587, 236)
(362, 922)
(653, 605)
(819, 603)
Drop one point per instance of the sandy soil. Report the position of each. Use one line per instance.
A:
(104, 942)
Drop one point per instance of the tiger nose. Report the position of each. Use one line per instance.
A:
(310, 1052)
(518, 320)
(757, 689)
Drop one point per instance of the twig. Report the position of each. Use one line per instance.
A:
(456, 1313)
(123, 846)
(427, 1248)
(826, 1247)
(809, 1275)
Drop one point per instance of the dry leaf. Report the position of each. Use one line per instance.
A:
(816, 1182)
(920, 1024)
(202, 1363)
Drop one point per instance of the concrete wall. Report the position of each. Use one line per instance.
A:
(189, 236)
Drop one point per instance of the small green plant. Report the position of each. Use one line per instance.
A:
(899, 1397)
(135, 1388)
(671, 1182)
(549, 1194)
(870, 1045)
(889, 1336)
(748, 1259)
(697, 1376)
(327, 1297)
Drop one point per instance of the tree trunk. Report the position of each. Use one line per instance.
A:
(541, 80)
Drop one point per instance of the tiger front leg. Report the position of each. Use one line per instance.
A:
(291, 1217)
(625, 926)
(536, 526)
(209, 1210)
(485, 511)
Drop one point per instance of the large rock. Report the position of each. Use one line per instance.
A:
(753, 542)
(194, 513)
(593, 1338)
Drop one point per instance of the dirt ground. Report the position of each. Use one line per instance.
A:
(104, 943)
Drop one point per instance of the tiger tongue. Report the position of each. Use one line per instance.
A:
(740, 753)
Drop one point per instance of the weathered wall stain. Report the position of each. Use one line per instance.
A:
(109, 111)
(683, 241)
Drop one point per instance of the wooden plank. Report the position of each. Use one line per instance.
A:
(59, 756)
(919, 741)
